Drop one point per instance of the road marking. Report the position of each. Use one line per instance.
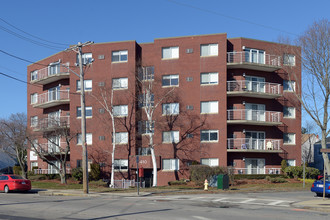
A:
(200, 217)
(248, 200)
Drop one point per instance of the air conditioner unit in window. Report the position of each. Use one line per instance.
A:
(189, 50)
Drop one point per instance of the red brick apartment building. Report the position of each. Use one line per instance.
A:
(224, 102)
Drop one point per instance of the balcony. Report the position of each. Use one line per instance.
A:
(52, 98)
(53, 123)
(50, 171)
(253, 117)
(52, 149)
(50, 74)
(245, 88)
(254, 145)
(257, 170)
(248, 60)
(144, 162)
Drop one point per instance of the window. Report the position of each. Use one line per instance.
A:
(86, 58)
(121, 164)
(34, 98)
(119, 56)
(144, 151)
(209, 78)
(170, 164)
(144, 127)
(170, 80)
(34, 164)
(209, 135)
(170, 136)
(209, 50)
(289, 112)
(147, 73)
(171, 109)
(289, 138)
(120, 110)
(146, 100)
(89, 139)
(291, 162)
(34, 121)
(34, 75)
(120, 83)
(170, 52)
(254, 55)
(87, 85)
(54, 68)
(289, 86)
(33, 155)
(212, 162)
(289, 59)
(121, 138)
(209, 107)
(88, 111)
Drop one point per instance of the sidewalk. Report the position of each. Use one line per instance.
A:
(316, 204)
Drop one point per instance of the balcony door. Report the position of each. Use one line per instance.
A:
(255, 140)
(54, 94)
(53, 144)
(255, 112)
(255, 166)
(254, 56)
(255, 84)
(54, 119)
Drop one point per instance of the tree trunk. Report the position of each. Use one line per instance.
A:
(154, 166)
(325, 155)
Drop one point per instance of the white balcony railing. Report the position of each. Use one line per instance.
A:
(257, 170)
(253, 144)
(50, 123)
(248, 57)
(51, 96)
(50, 148)
(60, 68)
(50, 171)
(252, 86)
(254, 115)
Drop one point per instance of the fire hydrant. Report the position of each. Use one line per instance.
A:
(206, 185)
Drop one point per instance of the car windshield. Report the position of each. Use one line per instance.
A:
(15, 177)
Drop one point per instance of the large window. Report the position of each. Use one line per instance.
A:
(212, 162)
(209, 50)
(34, 75)
(170, 80)
(121, 138)
(119, 56)
(254, 55)
(34, 121)
(89, 139)
(88, 85)
(54, 68)
(291, 162)
(209, 78)
(120, 110)
(289, 59)
(34, 98)
(289, 112)
(170, 164)
(289, 86)
(120, 83)
(209, 135)
(170, 52)
(145, 127)
(88, 111)
(289, 138)
(87, 58)
(209, 107)
(171, 109)
(170, 136)
(121, 164)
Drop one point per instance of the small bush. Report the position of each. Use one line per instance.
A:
(278, 180)
(284, 165)
(17, 170)
(95, 171)
(198, 173)
(268, 178)
(256, 176)
(77, 174)
(297, 172)
(177, 183)
(37, 177)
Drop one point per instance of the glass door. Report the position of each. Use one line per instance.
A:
(255, 166)
(254, 112)
(255, 84)
(255, 140)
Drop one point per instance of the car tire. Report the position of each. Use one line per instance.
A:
(319, 194)
(6, 189)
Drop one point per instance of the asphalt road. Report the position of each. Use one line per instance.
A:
(241, 206)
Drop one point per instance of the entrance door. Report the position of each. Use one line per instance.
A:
(148, 177)
(255, 166)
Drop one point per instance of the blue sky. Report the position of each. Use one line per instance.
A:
(68, 22)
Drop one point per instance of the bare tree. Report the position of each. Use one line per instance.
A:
(307, 147)
(13, 138)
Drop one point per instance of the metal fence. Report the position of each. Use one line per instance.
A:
(125, 184)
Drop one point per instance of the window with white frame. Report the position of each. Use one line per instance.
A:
(146, 100)
(291, 162)
(289, 138)
(119, 56)
(34, 164)
(121, 137)
(33, 155)
(209, 107)
(88, 111)
(289, 112)
(170, 52)
(209, 135)
(86, 58)
(120, 83)
(209, 50)
(34, 75)
(170, 164)
(171, 109)
(54, 68)
(209, 78)
(34, 121)
(145, 127)
(88, 85)
(212, 162)
(121, 164)
(147, 73)
(289, 85)
(89, 139)
(170, 80)
(120, 110)
(144, 151)
(170, 136)
(289, 59)
(34, 98)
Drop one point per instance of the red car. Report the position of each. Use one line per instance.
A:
(14, 183)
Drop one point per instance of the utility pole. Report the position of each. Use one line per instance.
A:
(77, 49)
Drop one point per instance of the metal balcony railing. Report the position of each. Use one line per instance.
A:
(252, 86)
(253, 144)
(61, 68)
(257, 170)
(248, 57)
(51, 123)
(51, 96)
(50, 148)
(50, 171)
(254, 115)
